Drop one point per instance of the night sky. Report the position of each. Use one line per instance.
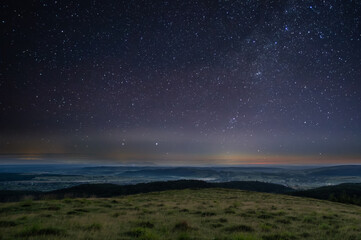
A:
(180, 82)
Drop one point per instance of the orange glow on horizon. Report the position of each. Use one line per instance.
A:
(187, 159)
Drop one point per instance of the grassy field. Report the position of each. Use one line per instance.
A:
(182, 214)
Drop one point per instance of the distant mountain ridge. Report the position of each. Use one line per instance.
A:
(344, 170)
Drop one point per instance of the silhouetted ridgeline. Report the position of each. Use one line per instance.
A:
(343, 193)
(111, 190)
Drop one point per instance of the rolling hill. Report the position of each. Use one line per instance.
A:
(349, 193)
(110, 190)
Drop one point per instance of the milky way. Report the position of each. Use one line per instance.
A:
(181, 82)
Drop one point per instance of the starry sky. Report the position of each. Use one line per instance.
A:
(181, 82)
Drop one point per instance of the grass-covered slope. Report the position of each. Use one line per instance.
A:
(344, 193)
(182, 214)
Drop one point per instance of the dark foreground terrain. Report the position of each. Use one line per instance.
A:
(210, 213)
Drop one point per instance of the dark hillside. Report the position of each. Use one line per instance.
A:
(343, 193)
(110, 190)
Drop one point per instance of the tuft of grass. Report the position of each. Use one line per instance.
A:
(5, 223)
(279, 236)
(265, 216)
(329, 216)
(136, 232)
(217, 225)
(182, 226)
(41, 231)
(229, 210)
(22, 218)
(77, 211)
(266, 228)
(53, 208)
(283, 221)
(309, 219)
(106, 205)
(142, 234)
(93, 227)
(239, 228)
(27, 203)
(149, 235)
(244, 237)
(115, 215)
(293, 218)
(184, 236)
(305, 235)
(208, 214)
(145, 224)
(67, 200)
